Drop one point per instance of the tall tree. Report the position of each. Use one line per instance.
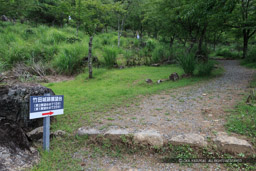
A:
(244, 19)
(92, 20)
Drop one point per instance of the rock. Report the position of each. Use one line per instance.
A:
(14, 104)
(12, 136)
(149, 81)
(189, 139)
(174, 76)
(121, 169)
(216, 66)
(4, 18)
(90, 132)
(18, 159)
(232, 144)
(159, 81)
(59, 133)
(116, 134)
(149, 137)
(36, 134)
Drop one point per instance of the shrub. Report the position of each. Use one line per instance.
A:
(187, 62)
(110, 55)
(18, 52)
(226, 53)
(53, 36)
(251, 57)
(150, 45)
(105, 41)
(160, 53)
(205, 69)
(69, 60)
(130, 57)
(136, 43)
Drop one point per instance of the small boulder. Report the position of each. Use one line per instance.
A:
(36, 134)
(232, 144)
(159, 81)
(4, 18)
(149, 81)
(149, 137)
(155, 65)
(90, 132)
(189, 139)
(58, 133)
(174, 76)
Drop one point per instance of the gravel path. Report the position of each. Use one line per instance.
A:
(194, 109)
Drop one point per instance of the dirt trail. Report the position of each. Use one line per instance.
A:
(194, 109)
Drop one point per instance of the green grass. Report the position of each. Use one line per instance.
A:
(86, 100)
(243, 119)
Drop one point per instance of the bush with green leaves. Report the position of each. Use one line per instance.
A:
(109, 55)
(251, 56)
(188, 62)
(227, 53)
(205, 68)
(160, 53)
(69, 60)
(150, 45)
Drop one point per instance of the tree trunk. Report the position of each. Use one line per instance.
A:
(90, 57)
(201, 39)
(77, 29)
(171, 42)
(118, 31)
(200, 44)
(246, 39)
(122, 27)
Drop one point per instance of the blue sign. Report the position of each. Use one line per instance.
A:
(42, 106)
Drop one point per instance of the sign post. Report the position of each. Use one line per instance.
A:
(46, 133)
(45, 107)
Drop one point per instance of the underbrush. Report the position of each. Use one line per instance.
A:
(187, 62)
(63, 50)
(110, 55)
(228, 53)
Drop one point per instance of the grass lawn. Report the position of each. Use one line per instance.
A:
(86, 100)
(243, 118)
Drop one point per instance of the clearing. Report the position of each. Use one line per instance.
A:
(199, 109)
